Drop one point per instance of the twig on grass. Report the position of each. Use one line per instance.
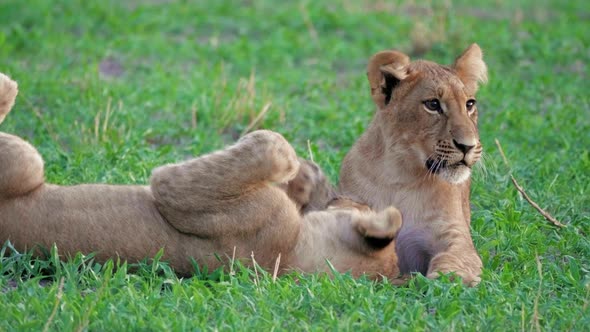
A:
(544, 213)
(58, 297)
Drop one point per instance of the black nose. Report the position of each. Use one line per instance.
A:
(463, 147)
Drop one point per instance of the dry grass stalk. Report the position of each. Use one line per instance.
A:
(58, 297)
(257, 119)
(520, 189)
(242, 105)
(46, 124)
(103, 124)
(255, 266)
(313, 33)
(231, 265)
(194, 116)
(276, 270)
(309, 151)
(536, 303)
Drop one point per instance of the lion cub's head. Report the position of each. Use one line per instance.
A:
(429, 111)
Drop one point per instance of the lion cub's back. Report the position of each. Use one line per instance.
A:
(112, 221)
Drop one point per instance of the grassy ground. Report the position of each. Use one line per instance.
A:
(111, 89)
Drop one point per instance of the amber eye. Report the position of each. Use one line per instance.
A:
(432, 105)
(470, 103)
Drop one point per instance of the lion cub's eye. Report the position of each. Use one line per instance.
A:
(432, 106)
(470, 103)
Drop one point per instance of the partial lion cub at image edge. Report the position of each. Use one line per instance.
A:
(203, 208)
(417, 155)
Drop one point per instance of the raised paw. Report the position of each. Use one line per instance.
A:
(8, 92)
(310, 189)
(271, 154)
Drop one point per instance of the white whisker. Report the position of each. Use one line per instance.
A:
(480, 167)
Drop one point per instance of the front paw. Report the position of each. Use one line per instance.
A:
(467, 268)
(469, 279)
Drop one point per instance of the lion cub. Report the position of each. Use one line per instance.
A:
(417, 155)
(207, 207)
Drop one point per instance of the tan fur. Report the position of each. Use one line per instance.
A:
(206, 206)
(310, 189)
(413, 159)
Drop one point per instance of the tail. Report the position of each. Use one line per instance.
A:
(8, 92)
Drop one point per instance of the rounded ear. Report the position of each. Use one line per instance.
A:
(471, 69)
(384, 72)
(379, 229)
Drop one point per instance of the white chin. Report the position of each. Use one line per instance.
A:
(455, 175)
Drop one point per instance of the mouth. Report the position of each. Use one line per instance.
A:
(435, 166)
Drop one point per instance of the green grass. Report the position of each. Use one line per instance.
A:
(189, 78)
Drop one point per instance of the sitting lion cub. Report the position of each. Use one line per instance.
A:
(203, 208)
(417, 155)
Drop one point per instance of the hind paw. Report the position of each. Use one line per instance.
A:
(385, 224)
(271, 154)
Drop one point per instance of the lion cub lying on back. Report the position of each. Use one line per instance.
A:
(201, 208)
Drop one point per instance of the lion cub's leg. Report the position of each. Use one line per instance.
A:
(21, 166)
(8, 92)
(196, 196)
(258, 158)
